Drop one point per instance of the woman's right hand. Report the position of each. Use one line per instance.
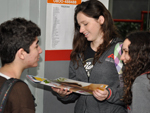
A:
(61, 91)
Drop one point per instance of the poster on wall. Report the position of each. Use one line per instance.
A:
(60, 29)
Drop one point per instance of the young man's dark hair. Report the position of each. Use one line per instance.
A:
(19, 50)
(15, 34)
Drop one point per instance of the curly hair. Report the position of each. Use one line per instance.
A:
(15, 34)
(139, 63)
(93, 9)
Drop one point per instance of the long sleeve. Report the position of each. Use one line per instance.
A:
(115, 95)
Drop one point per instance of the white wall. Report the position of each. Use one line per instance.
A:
(13, 8)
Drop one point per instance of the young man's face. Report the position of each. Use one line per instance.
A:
(33, 57)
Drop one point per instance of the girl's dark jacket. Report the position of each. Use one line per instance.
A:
(102, 73)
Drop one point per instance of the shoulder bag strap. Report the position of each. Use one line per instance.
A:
(4, 92)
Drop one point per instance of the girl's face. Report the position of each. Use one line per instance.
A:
(90, 27)
(125, 55)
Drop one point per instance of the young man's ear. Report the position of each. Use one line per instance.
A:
(101, 19)
(21, 53)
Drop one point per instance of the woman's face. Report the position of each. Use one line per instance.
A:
(125, 55)
(90, 27)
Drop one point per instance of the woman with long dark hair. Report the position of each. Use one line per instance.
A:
(92, 60)
(136, 74)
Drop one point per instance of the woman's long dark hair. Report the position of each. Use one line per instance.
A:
(139, 63)
(94, 9)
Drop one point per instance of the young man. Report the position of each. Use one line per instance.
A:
(19, 50)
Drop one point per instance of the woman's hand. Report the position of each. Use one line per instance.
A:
(100, 95)
(61, 91)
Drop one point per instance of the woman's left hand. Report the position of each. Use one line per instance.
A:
(100, 95)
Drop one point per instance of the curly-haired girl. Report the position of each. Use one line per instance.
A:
(136, 56)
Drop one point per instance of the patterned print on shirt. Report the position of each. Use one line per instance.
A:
(88, 65)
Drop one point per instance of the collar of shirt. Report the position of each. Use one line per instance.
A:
(2, 75)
